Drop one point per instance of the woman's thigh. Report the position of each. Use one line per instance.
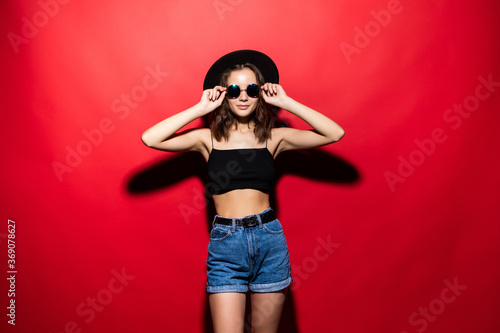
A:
(228, 312)
(266, 311)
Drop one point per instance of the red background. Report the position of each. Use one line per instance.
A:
(408, 199)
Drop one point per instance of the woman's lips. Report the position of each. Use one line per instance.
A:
(243, 107)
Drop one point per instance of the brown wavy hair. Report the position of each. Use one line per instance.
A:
(222, 119)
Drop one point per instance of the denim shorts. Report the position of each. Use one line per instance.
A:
(242, 258)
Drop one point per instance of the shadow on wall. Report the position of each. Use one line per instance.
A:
(313, 164)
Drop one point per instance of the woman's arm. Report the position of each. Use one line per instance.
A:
(161, 136)
(326, 131)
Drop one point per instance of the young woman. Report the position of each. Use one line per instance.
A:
(247, 248)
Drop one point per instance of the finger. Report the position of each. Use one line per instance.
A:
(216, 92)
(265, 92)
(218, 99)
(271, 90)
(220, 90)
(268, 88)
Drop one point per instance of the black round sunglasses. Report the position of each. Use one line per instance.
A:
(233, 91)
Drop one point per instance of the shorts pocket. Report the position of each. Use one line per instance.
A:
(219, 234)
(273, 227)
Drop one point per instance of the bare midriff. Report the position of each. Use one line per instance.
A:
(240, 203)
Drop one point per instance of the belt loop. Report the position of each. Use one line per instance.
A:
(259, 218)
(215, 219)
(233, 226)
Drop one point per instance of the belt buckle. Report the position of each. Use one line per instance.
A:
(251, 221)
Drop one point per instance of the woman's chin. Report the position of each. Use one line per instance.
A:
(243, 114)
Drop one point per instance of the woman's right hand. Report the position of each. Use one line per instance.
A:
(213, 98)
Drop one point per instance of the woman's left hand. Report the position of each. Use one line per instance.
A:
(274, 94)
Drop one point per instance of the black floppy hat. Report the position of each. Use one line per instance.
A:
(265, 64)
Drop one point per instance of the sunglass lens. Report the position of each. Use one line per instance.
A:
(233, 91)
(253, 90)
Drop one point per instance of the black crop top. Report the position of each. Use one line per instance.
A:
(231, 169)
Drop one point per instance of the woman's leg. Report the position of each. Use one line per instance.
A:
(266, 311)
(228, 312)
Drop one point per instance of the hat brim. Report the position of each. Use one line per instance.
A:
(265, 64)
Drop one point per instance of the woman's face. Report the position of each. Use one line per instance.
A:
(243, 105)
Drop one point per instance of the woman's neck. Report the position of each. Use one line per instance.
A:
(244, 126)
